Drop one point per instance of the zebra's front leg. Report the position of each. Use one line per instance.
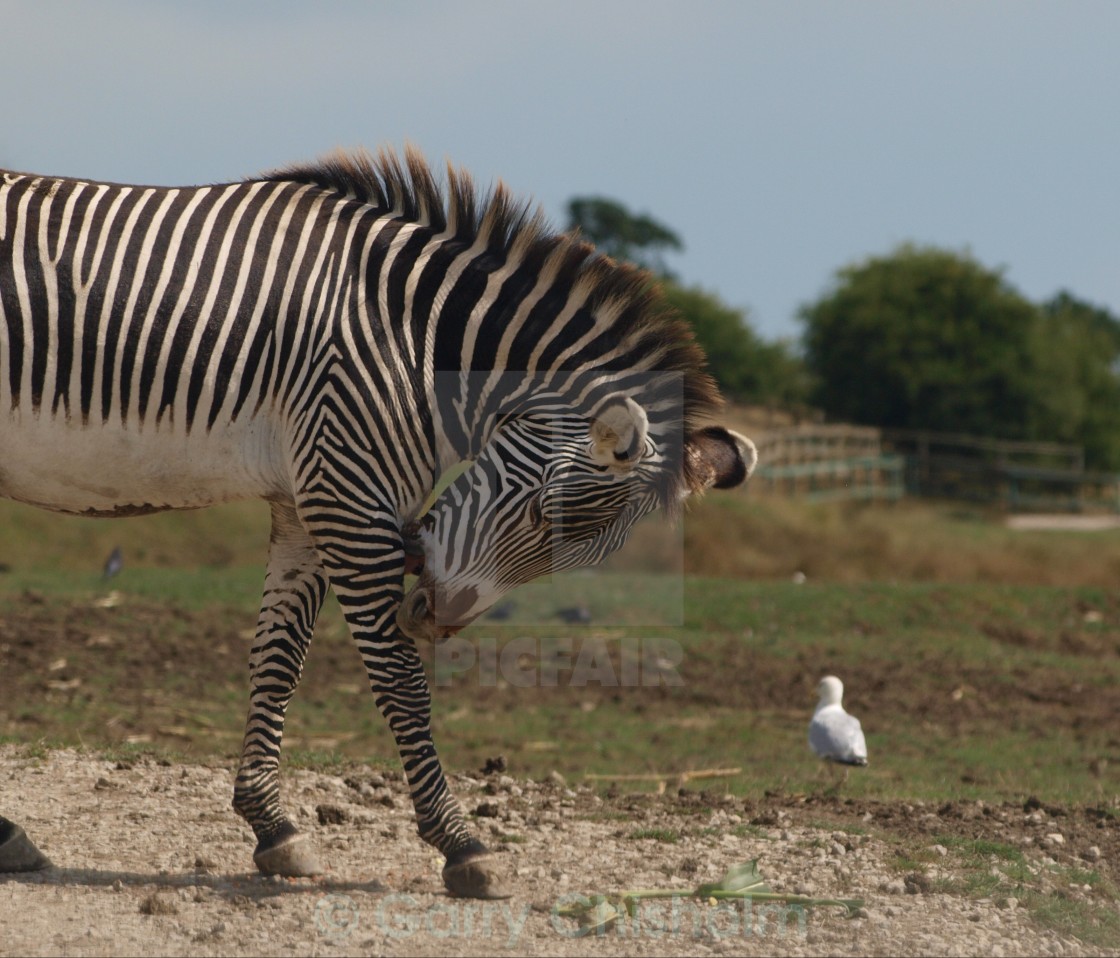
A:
(400, 689)
(293, 594)
(401, 692)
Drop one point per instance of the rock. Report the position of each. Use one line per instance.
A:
(332, 815)
(916, 884)
(157, 904)
(497, 764)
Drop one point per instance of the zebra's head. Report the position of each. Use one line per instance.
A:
(552, 492)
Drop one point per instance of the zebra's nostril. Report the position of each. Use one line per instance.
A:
(413, 617)
(455, 609)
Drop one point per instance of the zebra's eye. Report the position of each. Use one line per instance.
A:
(536, 516)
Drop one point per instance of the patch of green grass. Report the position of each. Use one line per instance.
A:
(989, 869)
(34, 751)
(746, 830)
(1091, 922)
(845, 827)
(979, 850)
(912, 860)
(329, 761)
(669, 836)
(691, 811)
(193, 588)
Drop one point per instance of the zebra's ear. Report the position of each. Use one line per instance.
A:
(618, 435)
(718, 457)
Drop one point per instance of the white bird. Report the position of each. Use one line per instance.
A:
(835, 735)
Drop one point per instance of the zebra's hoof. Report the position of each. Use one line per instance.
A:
(291, 857)
(17, 852)
(475, 877)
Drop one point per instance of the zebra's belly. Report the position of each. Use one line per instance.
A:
(109, 470)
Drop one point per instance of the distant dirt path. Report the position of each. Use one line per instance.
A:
(152, 860)
(1064, 522)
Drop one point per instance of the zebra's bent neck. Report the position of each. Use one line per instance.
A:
(489, 307)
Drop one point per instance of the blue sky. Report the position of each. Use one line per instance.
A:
(780, 140)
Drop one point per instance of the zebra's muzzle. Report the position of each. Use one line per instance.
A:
(430, 614)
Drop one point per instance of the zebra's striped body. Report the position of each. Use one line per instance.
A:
(292, 338)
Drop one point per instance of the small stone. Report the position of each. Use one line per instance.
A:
(495, 764)
(941, 850)
(1008, 904)
(916, 884)
(1092, 854)
(1055, 838)
(332, 815)
(156, 904)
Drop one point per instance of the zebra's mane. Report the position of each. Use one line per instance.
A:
(509, 226)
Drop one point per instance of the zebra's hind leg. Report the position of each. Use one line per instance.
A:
(293, 593)
(17, 852)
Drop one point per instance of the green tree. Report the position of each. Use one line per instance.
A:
(634, 237)
(746, 367)
(925, 338)
(1079, 391)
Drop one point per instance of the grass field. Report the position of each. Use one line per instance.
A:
(1000, 685)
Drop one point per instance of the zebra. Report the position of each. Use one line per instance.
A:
(331, 337)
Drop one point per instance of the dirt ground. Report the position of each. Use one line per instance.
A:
(150, 859)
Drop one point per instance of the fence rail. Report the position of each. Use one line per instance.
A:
(862, 462)
(860, 477)
(1021, 476)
